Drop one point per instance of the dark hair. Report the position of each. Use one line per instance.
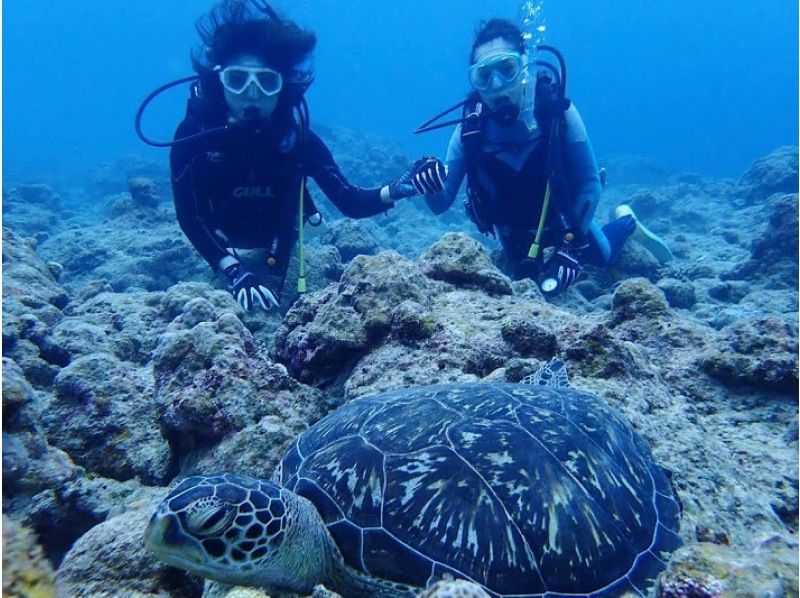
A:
(498, 28)
(234, 27)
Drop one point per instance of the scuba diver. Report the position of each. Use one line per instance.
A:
(532, 178)
(241, 156)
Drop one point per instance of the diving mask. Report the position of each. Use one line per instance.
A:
(237, 79)
(500, 70)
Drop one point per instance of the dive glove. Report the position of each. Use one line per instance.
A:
(425, 177)
(247, 290)
(560, 271)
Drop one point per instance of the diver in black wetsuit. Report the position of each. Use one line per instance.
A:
(241, 156)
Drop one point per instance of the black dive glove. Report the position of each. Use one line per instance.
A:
(425, 177)
(560, 271)
(247, 290)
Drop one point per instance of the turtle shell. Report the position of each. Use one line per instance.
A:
(526, 490)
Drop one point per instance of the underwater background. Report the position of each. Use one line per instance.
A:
(127, 365)
(700, 86)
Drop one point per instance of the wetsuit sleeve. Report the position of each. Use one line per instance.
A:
(191, 206)
(584, 178)
(456, 171)
(352, 201)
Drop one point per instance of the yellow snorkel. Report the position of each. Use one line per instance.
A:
(533, 252)
(301, 277)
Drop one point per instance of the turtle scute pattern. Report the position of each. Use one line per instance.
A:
(526, 490)
(253, 513)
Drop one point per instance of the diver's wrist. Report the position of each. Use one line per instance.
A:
(226, 262)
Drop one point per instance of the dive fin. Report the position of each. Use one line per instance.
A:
(647, 238)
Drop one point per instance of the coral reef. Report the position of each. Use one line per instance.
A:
(759, 351)
(637, 298)
(113, 427)
(774, 250)
(454, 588)
(213, 590)
(211, 381)
(134, 249)
(708, 570)
(351, 238)
(464, 262)
(679, 293)
(113, 550)
(32, 210)
(144, 192)
(774, 173)
(113, 177)
(26, 572)
(32, 304)
(320, 335)
(127, 364)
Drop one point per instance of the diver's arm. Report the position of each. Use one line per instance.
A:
(582, 171)
(353, 201)
(456, 171)
(184, 160)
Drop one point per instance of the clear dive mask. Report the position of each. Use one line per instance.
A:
(237, 79)
(498, 71)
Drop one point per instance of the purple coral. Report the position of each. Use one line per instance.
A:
(686, 587)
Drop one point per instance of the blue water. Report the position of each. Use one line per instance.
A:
(703, 86)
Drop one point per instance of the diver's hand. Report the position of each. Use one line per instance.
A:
(428, 175)
(425, 177)
(563, 268)
(246, 289)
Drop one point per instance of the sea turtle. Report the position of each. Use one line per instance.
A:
(526, 489)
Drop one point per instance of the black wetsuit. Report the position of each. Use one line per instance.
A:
(240, 188)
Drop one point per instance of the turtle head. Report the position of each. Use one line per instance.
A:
(225, 527)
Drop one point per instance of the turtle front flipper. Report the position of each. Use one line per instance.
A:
(553, 373)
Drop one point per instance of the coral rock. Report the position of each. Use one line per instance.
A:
(729, 291)
(454, 588)
(705, 570)
(351, 238)
(254, 450)
(528, 337)
(17, 391)
(462, 261)
(779, 239)
(111, 560)
(113, 422)
(144, 192)
(113, 177)
(212, 381)
(638, 298)
(774, 250)
(679, 294)
(774, 173)
(596, 352)
(26, 572)
(138, 248)
(326, 330)
(758, 351)
(412, 322)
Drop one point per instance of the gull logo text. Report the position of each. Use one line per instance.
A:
(256, 191)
